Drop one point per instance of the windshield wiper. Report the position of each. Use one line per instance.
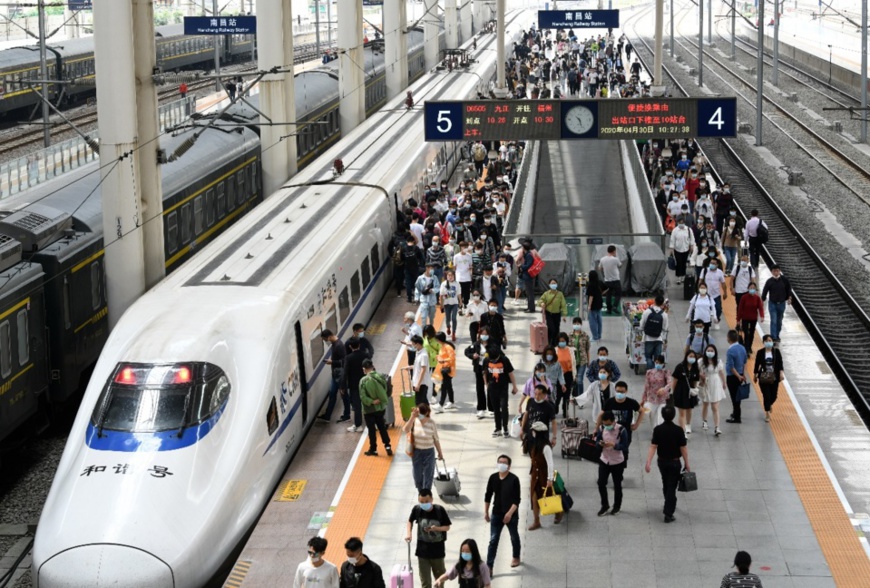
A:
(185, 417)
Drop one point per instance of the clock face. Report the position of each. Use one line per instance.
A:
(579, 120)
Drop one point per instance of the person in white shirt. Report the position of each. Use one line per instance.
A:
(417, 229)
(475, 309)
(316, 572)
(449, 300)
(702, 308)
(742, 274)
(411, 329)
(750, 234)
(653, 344)
(463, 263)
(609, 265)
(421, 379)
(717, 287)
(682, 246)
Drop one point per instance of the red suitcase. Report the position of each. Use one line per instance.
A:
(538, 336)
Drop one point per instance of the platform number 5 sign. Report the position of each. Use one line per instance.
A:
(443, 121)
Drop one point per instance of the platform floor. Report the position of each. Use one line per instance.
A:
(747, 500)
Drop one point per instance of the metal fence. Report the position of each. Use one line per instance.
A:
(22, 173)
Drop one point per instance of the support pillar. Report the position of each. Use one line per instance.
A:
(117, 122)
(465, 31)
(396, 46)
(777, 7)
(759, 101)
(658, 85)
(351, 88)
(273, 19)
(864, 32)
(500, 74)
(151, 190)
(701, 43)
(430, 33)
(451, 24)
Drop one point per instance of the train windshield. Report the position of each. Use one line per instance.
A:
(150, 398)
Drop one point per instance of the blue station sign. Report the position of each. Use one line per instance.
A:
(81, 4)
(578, 19)
(553, 120)
(220, 25)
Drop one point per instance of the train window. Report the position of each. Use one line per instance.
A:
(251, 184)
(376, 259)
(221, 201)
(197, 216)
(344, 304)
(172, 231)
(272, 417)
(354, 287)
(209, 208)
(66, 318)
(240, 180)
(96, 286)
(366, 274)
(332, 320)
(23, 337)
(185, 224)
(231, 193)
(317, 345)
(5, 350)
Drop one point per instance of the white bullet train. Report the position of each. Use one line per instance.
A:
(208, 383)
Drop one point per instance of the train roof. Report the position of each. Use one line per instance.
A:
(18, 58)
(18, 276)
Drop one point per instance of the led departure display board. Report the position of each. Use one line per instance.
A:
(550, 120)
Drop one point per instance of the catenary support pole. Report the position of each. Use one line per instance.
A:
(759, 102)
(701, 43)
(151, 189)
(430, 33)
(500, 77)
(351, 77)
(43, 73)
(672, 29)
(451, 24)
(657, 88)
(864, 33)
(733, 30)
(316, 27)
(710, 22)
(119, 155)
(218, 86)
(776, 10)
(464, 20)
(396, 46)
(330, 22)
(274, 138)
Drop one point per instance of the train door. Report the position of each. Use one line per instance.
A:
(303, 373)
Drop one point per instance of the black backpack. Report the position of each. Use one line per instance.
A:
(654, 324)
(762, 233)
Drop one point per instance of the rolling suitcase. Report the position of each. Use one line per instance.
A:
(573, 430)
(407, 401)
(538, 336)
(689, 284)
(402, 575)
(447, 481)
(390, 413)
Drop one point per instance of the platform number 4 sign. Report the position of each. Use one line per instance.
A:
(717, 117)
(443, 121)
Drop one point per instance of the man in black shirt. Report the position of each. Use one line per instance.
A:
(505, 487)
(353, 373)
(669, 440)
(779, 289)
(359, 571)
(433, 523)
(336, 361)
(359, 331)
(624, 409)
(498, 372)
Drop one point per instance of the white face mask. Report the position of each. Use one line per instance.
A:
(352, 560)
(503, 467)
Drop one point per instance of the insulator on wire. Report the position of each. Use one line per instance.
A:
(183, 148)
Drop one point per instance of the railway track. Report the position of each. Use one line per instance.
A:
(834, 319)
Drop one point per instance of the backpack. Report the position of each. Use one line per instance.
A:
(479, 152)
(762, 233)
(654, 324)
(397, 257)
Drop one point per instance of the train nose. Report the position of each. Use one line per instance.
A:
(99, 566)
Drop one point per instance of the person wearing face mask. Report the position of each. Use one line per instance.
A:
(779, 289)
(599, 392)
(445, 372)
(476, 352)
(449, 298)
(669, 442)
(769, 372)
(682, 246)
(594, 305)
(495, 323)
(674, 205)
(579, 343)
(626, 410)
(654, 325)
(724, 201)
(684, 384)
(750, 234)
(540, 409)
(554, 307)
(498, 373)
(599, 362)
(410, 327)
(613, 440)
(538, 447)
(525, 260)
(498, 286)
(437, 258)
(555, 374)
(698, 340)
(504, 494)
(656, 390)
(735, 366)
(684, 163)
(427, 287)
(412, 262)
(424, 432)
(692, 185)
(463, 263)
(741, 276)
(704, 207)
(471, 571)
(316, 571)
(359, 331)
(702, 308)
(359, 571)
(710, 233)
(750, 310)
(717, 287)
(731, 238)
(538, 377)
(609, 266)
(712, 386)
(433, 524)
(475, 309)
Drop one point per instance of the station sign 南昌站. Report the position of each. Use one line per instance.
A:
(578, 19)
(220, 25)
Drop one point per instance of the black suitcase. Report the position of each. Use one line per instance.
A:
(689, 285)
(589, 449)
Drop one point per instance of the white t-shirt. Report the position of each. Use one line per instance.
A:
(610, 265)
(413, 329)
(714, 281)
(417, 229)
(463, 265)
(742, 276)
(486, 287)
(449, 292)
(421, 375)
(308, 576)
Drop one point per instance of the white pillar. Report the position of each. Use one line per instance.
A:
(430, 33)
(396, 46)
(71, 19)
(351, 90)
(477, 9)
(658, 86)
(501, 79)
(273, 98)
(116, 119)
(464, 20)
(151, 190)
(451, 24)
(289, 93)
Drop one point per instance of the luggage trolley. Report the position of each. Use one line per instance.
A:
(634, 345)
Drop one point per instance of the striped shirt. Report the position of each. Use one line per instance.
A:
(738, 580)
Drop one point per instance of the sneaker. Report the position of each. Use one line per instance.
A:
(481, 414)
(688, 429)
(718, 432)
(670, 518)
(615, 511)
(704, 425)
(353, 429)
(438, 408)
(323, 419)
(389, 450)
(733, 420)
(447, 405)
(490, 414)
(716, 326)
(343, 419)
(603, 511)
(505, 433)
(371, 452)
(496, 433)
(767, 418)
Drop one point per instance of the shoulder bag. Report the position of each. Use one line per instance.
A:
(688, 482)
(409, 445)
(536, 267)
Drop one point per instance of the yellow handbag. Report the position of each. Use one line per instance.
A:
(550, 504)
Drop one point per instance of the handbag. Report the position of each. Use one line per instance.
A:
(409, 445)
(567, 501)
(766, 377)
(558, 483)
(672, 263)
(743, 391)
(688, 482)
(550, 504)
(536, 267)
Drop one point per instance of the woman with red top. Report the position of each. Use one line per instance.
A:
(749, 312)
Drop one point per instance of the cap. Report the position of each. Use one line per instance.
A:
(409, 316)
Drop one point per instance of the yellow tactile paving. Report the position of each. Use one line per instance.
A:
(846, 557)
(360, 497)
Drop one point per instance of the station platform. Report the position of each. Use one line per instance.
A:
(781, 491)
